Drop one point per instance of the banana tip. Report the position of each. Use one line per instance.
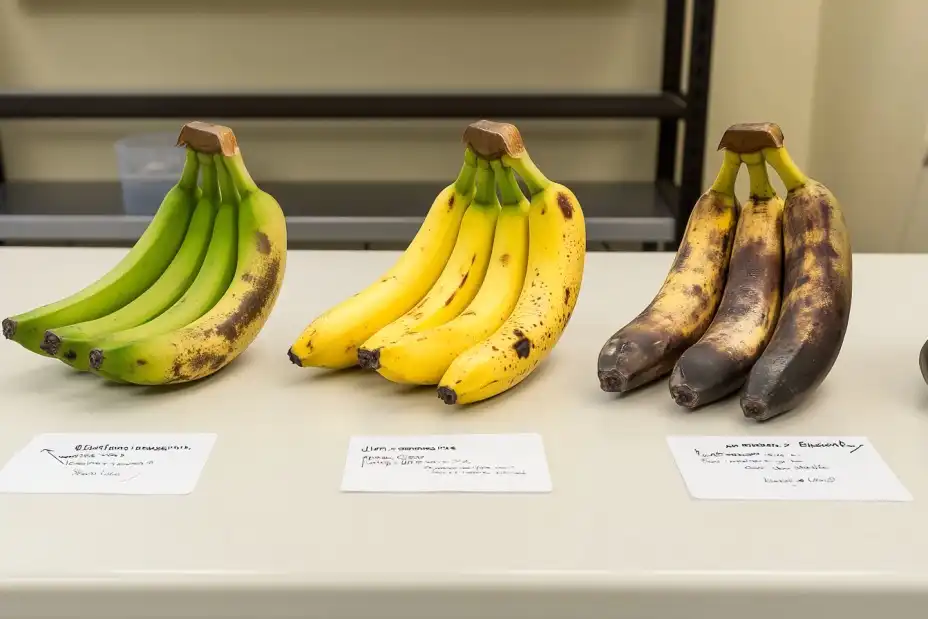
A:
(447, 395)
(756, 409)
(369, 359)
(613, 381)
(684, 396)
(9, 328)
(96, 358)
(294, 359)
(51, 343)
(922, 360)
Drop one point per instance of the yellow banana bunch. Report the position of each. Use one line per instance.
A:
(765, 312)
(482, 293)
(192, 294)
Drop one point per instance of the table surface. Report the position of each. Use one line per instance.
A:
(267, 533)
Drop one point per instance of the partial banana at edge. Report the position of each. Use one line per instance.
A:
(817, 289)
(332, 339)
(648, 347)
(554, 272)
(718, 364)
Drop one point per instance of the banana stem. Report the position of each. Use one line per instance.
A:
(526, 168)
(761, 189)
(728, 174)
(465, 180)
(208, 179)
(228, 194)
(786, 169)
(486, 187)
(239, 173)
(188, 177)
(508, 185)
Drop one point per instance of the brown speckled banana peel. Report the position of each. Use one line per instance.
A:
(647, 348)
(816, 297)
(719, 363)
(554, 272)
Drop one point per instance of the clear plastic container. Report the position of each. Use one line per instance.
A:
(149, 165)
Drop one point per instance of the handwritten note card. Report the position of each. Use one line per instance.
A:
(447, 463)
(812, 468)
(108, 464)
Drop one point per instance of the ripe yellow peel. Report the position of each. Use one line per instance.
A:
(458, 283)
(557, 252)
(422, 357)
(332, 339)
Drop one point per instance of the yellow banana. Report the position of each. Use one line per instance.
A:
(423, 356)
(215, 339)
(332, 339)
(648, 347)
(718, 364)
(459, 281)
(554, 270)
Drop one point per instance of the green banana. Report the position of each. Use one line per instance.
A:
(134, 274)
(72, 343)
(210, 284)
(216, 338)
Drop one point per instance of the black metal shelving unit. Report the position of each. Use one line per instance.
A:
(651, 213)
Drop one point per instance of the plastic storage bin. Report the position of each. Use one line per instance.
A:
(149, 165)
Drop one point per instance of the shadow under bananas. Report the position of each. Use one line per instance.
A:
(124, 398)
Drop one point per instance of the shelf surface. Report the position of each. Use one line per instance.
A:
(277, 105)
(342, 212)
(266, 533)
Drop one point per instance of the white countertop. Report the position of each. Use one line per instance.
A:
(267, 534)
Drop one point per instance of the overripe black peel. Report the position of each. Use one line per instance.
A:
(816, 307)
(705, 375)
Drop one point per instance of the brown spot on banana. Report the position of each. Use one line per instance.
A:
(522, 345)
(263, 243)
(816, 305)
(253, 302)
(564, 203)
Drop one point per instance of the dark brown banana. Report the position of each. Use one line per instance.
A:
(816, 293)
(648, 347)
(718, 364)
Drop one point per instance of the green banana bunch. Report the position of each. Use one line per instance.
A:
(216, 337)
(195, 290)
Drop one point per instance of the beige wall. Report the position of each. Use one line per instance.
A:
(814, 86)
